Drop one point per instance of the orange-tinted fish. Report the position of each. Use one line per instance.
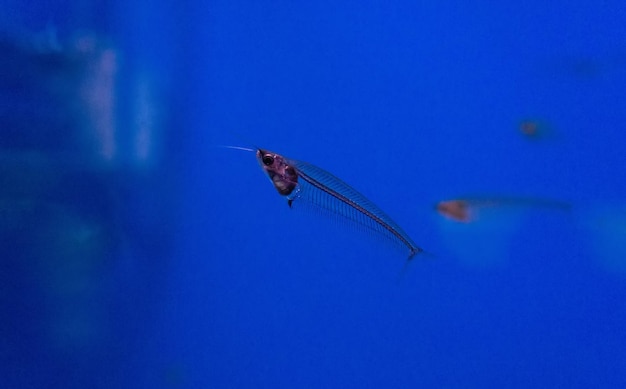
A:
(457, 210)
(466, 210)
(536, 129)
(529, 128)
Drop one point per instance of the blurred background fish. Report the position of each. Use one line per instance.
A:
(468, 209)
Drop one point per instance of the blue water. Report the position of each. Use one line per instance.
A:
(198, 274)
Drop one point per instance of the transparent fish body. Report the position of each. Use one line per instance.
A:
(300, 181)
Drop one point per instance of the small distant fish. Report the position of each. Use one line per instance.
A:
(457, 210)
(529, 128)
(301, 181)
(466, 210)
(537, 129)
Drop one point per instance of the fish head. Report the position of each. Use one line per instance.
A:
(457, 210)
(280, 171)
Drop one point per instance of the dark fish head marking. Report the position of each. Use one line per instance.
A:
(279, 170)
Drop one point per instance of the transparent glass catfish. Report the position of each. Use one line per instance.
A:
(300, 181)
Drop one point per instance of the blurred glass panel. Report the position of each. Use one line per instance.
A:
(86, 196)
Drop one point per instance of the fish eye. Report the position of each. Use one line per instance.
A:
(268, 160)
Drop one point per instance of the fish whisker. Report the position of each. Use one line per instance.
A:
(237, 148)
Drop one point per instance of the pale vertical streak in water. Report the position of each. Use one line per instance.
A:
(297, 180)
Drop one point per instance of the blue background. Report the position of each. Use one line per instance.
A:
(218, 284)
